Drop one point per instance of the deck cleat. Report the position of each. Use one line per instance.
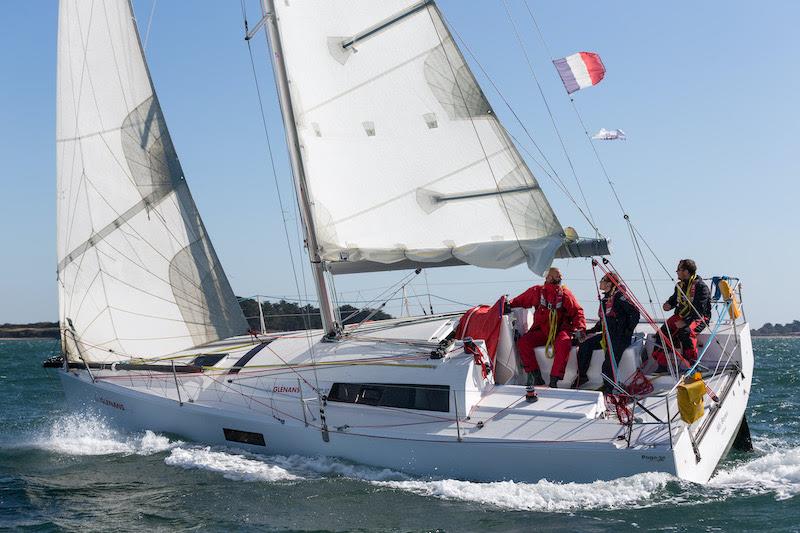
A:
(530, 394)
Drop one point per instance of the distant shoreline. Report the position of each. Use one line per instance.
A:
(34, 330)
(41, 338)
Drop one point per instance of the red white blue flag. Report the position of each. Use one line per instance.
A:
(580, 70)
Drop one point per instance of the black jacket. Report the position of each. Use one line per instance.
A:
(621, 317)
(701, 301)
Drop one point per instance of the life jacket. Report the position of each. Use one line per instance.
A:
(551, 297)
(609, 305)
(686, 295)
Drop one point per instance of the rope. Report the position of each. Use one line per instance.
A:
(551, 334)
(667, 340)
(605, 341)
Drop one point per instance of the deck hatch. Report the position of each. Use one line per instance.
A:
(245, 437)
(404, 396)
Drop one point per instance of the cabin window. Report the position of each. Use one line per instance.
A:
(421, 397)
(208, 360)
(245, 437)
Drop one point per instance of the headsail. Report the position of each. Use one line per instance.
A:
(137, 274)
(405, 160)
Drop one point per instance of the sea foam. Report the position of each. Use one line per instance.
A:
(778, 472)
(82, 434)
(543, 495)
(230, 465)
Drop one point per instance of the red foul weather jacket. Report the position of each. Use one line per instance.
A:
(545, 297)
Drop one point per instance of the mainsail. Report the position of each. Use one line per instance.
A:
(137, 274)
(405, 161)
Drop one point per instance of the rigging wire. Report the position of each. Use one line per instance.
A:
(552, 174)
(275, 180)
(474, 127)
(428, 288)
(549, 111)
(149, 24)
(635, 234)
(632, 228)
(400, 284)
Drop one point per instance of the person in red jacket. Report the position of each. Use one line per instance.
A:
(557, 317)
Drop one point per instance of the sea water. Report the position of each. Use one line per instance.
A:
(62, 470)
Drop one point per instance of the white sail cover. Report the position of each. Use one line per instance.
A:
(404, 158)
(137, 274)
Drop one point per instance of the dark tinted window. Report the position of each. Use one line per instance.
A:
(208, 360)
(422, 397)
(247, 437)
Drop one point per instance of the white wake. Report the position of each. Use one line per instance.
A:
(81, 434)
(233, 466)
(775, 471)
(543, 495)
(778, 472)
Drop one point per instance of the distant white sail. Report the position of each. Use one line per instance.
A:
(137, 274)
(405, 159)
(609, 135)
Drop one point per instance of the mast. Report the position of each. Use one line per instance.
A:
(329, 324)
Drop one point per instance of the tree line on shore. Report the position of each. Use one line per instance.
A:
(279, 316)
(289, 316)
(772, 330)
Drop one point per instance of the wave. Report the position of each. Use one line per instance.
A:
(776, 472)
(329, 466)
(81, 434)
(543, 495)
(244, 466)
(234, 466)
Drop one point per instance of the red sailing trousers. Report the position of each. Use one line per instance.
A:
(685, 338)
(562, 345)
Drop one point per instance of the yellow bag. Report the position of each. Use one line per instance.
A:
(690, 399)
(727, 294)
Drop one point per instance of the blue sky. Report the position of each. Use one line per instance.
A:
(706, 91)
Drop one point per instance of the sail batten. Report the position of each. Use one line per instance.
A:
(405, 160)
(138, 276)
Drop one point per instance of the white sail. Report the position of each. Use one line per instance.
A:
(137, 274)
(404, 158)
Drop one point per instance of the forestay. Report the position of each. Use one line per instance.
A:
(404, 158)
(137, 274)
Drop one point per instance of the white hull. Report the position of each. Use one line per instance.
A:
(562, 437)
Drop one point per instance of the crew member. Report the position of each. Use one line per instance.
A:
(617, 320)
(691, 301)
(557, 316)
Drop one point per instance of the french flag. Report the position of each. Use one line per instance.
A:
(580, 70)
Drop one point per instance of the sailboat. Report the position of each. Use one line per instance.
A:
(399, 163)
